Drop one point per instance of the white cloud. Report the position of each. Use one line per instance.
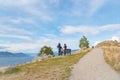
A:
(16, 36)
(79, 29)
(16, 21)
(20, 20)
(115, 38)
(96, 42)
(39, 13)
(7, 31)
(22, 47)
(89, 30)
(19, 47)
(4, 29)
(54, 2)
(86, 7)
(9, 3)
(37, 8)
(32, 47)
(95, 5)
(110, 27)
(44, 8)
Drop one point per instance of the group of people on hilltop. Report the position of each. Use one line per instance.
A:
(62, 50)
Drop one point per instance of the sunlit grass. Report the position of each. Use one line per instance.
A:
(58, 68)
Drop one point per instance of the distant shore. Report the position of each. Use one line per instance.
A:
(13, 61)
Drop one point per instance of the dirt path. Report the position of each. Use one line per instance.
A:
(93, 67)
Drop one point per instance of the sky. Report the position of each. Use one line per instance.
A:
(28, 25)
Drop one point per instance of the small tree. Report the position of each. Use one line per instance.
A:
(45, 50)
(84, 43)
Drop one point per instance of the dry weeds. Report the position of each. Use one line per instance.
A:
(112, 56)
(111, 53)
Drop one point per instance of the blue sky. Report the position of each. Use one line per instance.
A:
(27, 25)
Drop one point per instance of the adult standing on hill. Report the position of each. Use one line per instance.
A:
(65, 49)
(59, 49)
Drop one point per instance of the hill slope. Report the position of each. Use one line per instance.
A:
(57, 68)
(108, 43)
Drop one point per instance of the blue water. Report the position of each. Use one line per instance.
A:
(12, 61)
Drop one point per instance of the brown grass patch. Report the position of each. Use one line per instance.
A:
(112, 56)
(111, 53)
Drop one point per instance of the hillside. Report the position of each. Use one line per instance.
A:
(108, 43)
(57, 68)
(111, 53)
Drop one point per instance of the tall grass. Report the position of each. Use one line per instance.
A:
(112, 56)
(111, 53)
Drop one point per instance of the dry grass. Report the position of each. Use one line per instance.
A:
(112, 56)
(58, 68)
(111, 53)
(108, 43)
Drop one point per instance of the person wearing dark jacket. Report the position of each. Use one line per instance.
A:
(59, 49)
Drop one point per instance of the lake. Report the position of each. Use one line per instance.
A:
(12, 61)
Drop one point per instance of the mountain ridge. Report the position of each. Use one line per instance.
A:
(10, 54)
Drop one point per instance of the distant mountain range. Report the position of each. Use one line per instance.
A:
(10, 54)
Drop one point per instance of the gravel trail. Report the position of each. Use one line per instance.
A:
(93, 67)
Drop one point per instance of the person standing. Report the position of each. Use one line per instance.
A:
(59, 49)
(65, 49)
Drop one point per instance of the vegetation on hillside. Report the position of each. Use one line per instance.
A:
(45, 50)
(111, 53)
(57, 68)
(109, 43)
(84, 43)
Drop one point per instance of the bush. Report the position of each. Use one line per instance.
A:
(45, 50)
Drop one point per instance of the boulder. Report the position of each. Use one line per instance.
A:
(43, 57)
